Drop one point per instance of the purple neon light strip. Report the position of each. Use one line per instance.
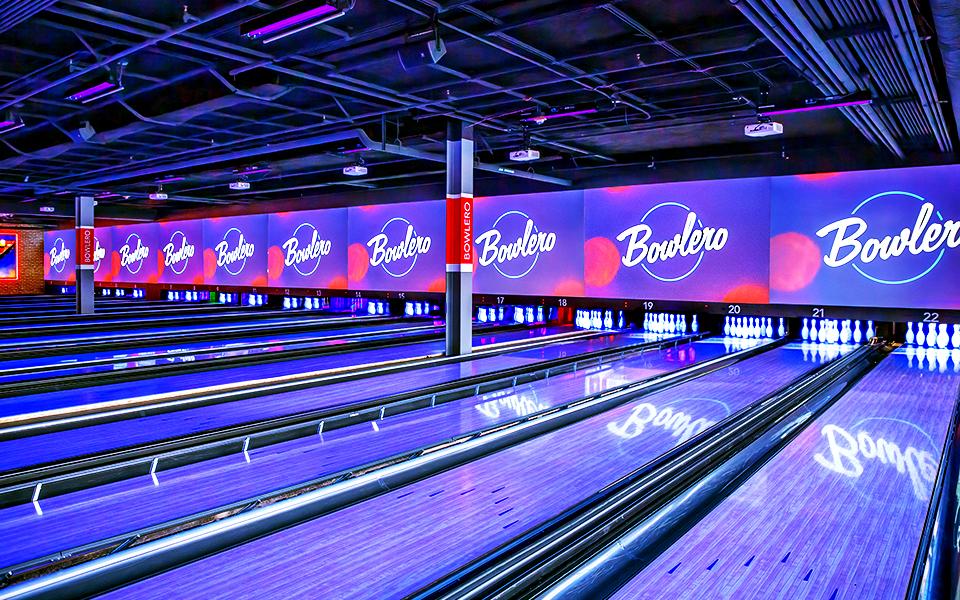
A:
(252, 171)
(292, 21)
(170, 179)
(573, 113)
(788, 111)
(7, 126)
(91, 91)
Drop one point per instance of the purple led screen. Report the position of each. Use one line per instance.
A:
(59, 255)
(871, 238)
(105, 264)
(704, 241)
(397, 247)
(235, 251)
(529, 244)
(308, 249)
(135, 253)
(180, 252)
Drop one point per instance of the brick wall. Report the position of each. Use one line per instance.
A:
(31, 263)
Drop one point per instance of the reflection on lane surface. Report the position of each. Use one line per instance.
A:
(838, 513)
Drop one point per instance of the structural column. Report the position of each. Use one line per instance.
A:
(459, 239)
(86, 246)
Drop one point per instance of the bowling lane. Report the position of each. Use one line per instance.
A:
(838, 513)
(391, 545)
(24, 452)
(84, 517)
(113, 361)
(194, 325)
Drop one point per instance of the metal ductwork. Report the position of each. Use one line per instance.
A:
(143, 123)
(14, 12)
(946, 19)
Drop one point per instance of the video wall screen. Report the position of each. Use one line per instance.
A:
(874, 238)
(397, 247)
(886, 238)
(530, 244)
(235, 251)
(9, 255)
(701, 241)
(308, 249)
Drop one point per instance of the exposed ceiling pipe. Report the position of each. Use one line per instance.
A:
(904, 31)
(130, 51)
(946, 19)
(789, 30)
(350, 134)
(430, 156)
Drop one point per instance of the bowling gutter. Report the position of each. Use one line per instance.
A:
(125, 564)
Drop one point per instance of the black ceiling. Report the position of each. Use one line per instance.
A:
(669, 87)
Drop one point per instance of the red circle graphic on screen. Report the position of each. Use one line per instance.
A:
(794, 261)
(748, 293)
(275, 261)
(358, 262)
(602, 261)
(209, 263)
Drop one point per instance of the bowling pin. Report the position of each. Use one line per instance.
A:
(726, 326)
(823, 336)
(845, 333)
(781, 328)
(955, 339)
(910, 338)
(608, 320)
(857, 334)
(813, 330)
(695, 327)
(870, 332)
(921, 336)
(943, 338)
(805, 332)
(769, 327)
(931, 334)
(621, 321)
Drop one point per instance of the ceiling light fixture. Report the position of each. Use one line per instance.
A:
(357, 169)
(101, 90)
(290, 19)
(11, 123)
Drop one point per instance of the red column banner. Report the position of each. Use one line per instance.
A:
(86, 246)
(460, 233)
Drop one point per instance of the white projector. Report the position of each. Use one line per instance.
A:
(157, 196)
(240, 185)
(355, 170)
(763, 129)
(524, 155)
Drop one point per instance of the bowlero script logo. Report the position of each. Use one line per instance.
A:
(680, 241)
(891, 238)
(133, 253)
(59, 255)
(178, 252)
(397, 258)
(99, 253)
(233, 251)
(515, 258)
(882, 443)
(305, 249)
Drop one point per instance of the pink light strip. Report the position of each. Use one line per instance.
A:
(573, 113)
(789, 111)
(292, 21)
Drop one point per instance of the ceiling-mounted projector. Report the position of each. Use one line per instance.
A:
(157, 196)
(240, 185)
(525, 155)
(766, 129)
(355, 170)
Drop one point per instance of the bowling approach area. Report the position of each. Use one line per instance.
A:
(474, 299)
